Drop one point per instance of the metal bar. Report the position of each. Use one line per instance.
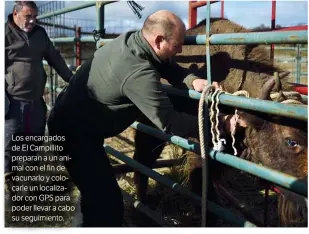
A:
(298, 65)
(222, 9)
(56, 85)
(207, 42)
(301, 73)
(273, 15)
(287, 110)
(58, 90)
(70, 9)
(273, 27)
(75, 39)
(144, 209)
(268, 174)
(214, 208)
(190, 40)
(290, 60)
(71, 67)
(51, 79)
(192, 15)
(238, 205)
(198, 4)
(205, 164)
(100, 21)
(285, 60)
(266, 206)
(68, 39)
(291, 37)
(78, 49)
(205, 174)
(289, 48)
(86, 33)
(56, 25)
(124, 168)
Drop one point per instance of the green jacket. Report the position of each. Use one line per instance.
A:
(25, 77)
(123, 80)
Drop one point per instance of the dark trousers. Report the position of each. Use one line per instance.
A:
(92, 173)
(23, 118)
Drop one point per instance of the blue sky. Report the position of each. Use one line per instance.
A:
(247, 13)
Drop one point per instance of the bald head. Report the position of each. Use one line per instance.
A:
(165, 32)
(162, 22)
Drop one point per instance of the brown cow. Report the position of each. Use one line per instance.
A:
(242, 67)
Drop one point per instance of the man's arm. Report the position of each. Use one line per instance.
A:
(180, 77)
(177, 75)
(144, 89)
(54, 59)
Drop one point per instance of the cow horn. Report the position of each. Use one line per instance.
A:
(284, 74)
(266, 89)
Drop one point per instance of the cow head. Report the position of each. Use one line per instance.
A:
(279, 143)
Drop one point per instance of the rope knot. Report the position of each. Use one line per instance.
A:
(219, 146)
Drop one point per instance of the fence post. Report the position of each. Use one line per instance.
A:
(298, 63)
(192, 15)
(222, 9)
(273, 27)
(51, 78)
(100, 21)
(77, 47)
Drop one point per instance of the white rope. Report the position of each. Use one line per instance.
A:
(214, 119)
(291, 101)
(218, 143)
(236, 116)
(289, 95)
(204, 147)
(233, 132)
(212, 113)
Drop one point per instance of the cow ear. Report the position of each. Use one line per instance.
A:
(246, 119)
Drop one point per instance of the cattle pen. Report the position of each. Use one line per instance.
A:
(274, 108)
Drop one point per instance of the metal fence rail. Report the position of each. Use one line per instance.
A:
(270, 107)
(214, 208)
(144, 209)
(268, 174)
(70, 9)
(291, 37)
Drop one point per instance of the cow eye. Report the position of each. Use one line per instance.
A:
(292, 143)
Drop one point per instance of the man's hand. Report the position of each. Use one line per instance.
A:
(200, 84)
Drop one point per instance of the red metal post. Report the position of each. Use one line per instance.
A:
(193, 5)
(192, 15)
(78, 47)
(273, 15)
(196, 4)
(222, 9)
(273, 27)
